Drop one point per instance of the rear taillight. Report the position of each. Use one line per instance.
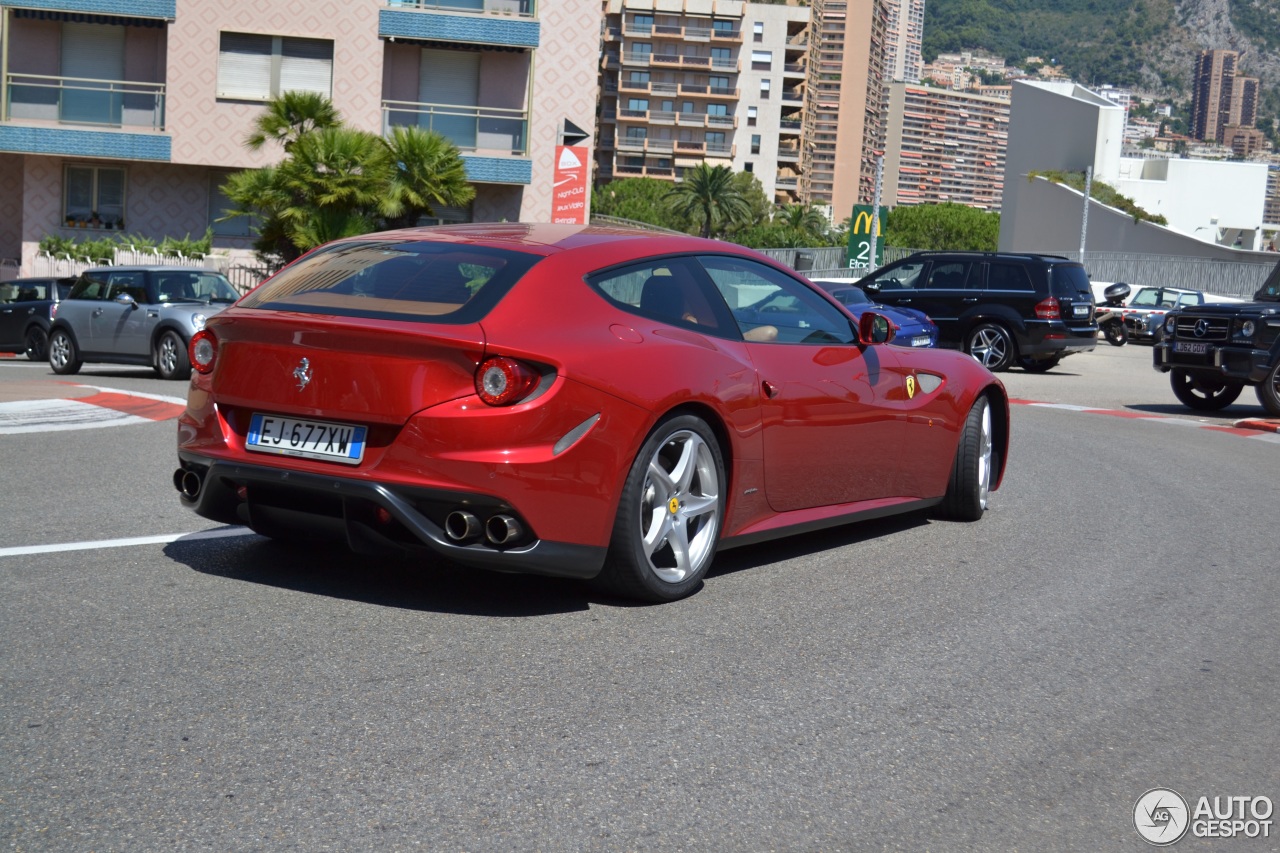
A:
(203, 351)
(503, 381)
(1048, 309)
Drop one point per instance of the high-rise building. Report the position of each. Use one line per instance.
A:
(843, 134)
(1220, 96)
(125, 116)
(904, 33)
(944, 146)
(707, 81)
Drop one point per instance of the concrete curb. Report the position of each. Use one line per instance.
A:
(1259, 424)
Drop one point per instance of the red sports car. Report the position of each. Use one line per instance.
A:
(575, 401)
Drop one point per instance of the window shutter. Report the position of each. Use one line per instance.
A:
(449, 77)
(244, 66)
(306, 65)
(95, 51)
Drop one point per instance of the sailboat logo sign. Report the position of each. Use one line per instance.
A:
(569, 190)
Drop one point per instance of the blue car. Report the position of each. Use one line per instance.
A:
(915, 329)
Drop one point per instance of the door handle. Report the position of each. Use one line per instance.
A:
(153, 314)
(97, 312)
(969, 299)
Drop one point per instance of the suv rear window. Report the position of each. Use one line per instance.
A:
(426, 282)
(1070, 281)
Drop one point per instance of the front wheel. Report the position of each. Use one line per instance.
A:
(1269, 391)
(1115, 333)
(171, 357)
(970, 484)
(37, 341)
(669, 517)
(63, 356)
(991, 345)
(1202, 393)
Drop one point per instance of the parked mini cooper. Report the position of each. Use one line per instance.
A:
(136, 315)
(27, 306)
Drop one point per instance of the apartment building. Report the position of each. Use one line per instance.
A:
(703, 81)
(126, 115)
(1220, 96)
(904, 34)
(843, 132)
(944, 146)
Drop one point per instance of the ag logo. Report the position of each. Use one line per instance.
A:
(1161, 816)
(911, 387)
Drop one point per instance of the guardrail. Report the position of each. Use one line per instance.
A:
(79, 100)
(469, 128)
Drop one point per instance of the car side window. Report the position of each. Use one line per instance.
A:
(1148, 297)
(8, 293)
(770, 306)
(901, 277)
(669, 290)
(948, 275)
(1008, 277)
(90, 287)
(132, 283)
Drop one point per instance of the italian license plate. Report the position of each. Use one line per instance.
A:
(920, 341)
(1190, 347)
(1081, 310)
(311, 439)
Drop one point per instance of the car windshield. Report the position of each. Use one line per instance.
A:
(194, 286)
(851, 296)
(383, 279)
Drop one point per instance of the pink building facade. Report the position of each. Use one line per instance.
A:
(125, 116)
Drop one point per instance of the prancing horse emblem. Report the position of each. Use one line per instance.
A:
(302, 373)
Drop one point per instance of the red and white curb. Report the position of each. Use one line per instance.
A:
(1253, 428)
(107, 408)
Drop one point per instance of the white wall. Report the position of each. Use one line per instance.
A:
(1198, 197)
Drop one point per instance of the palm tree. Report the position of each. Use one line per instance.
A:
(290, 116)
(804, 218)
(428, 173)
(708, 194)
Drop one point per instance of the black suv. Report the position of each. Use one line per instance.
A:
(1212, 351)
(1001, 308)
(27, 305)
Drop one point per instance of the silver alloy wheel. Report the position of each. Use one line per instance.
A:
(60, 350)
(680, 507)
(989, 346)
(168, 355)
(984, 456)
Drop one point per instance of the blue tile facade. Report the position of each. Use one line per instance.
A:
(499, 170)
(85, 143)
(127, 8)
(474, 29)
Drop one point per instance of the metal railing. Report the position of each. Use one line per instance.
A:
(82, 100)
(523, 8)
(469, 128)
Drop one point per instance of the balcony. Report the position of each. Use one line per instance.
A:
(475, 130)
(497, 23)
(520, 8)
(166, 9)
(623, 171)
(81, 101)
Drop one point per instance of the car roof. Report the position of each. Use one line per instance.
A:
(543, 238)
(150, 268)
(1003, 256)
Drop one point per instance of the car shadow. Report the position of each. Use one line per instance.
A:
(1235, 412)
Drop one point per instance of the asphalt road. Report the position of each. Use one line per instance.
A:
(1109, 627)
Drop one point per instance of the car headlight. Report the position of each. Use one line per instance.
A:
(198, 321)
(1247, 328)
(1170, 324)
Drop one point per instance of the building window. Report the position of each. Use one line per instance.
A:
(637, 133)
(715, 139)
(219, 204)
(761, 60)
(748, 167)
(764, 88)
(755, 143)
(751, 115)
(718, 110)
(640, 78)
(640, 105)
(254, 67)
(723, 28)
(643, 22)
(757, 30)
(720, 86)
(93, 197)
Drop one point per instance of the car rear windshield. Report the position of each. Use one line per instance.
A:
(422, 281)
(1070, 280)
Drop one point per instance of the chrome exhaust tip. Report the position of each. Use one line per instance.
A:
(461, 525)
(187, 482)
(502, 530)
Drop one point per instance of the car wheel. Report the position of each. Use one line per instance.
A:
(63, 356)
(991, 345)
(171, 358)
(1115, 333)
(1041, 365)
(670, 514)
(1269, 391)
(37, 344)
(975, 464)
(1201, 393)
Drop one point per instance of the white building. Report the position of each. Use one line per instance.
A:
(1064, 127)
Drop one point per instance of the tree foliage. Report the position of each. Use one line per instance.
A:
(941, 227)
(1103, 192)
(710, 196)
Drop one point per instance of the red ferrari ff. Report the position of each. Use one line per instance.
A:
(575, 401)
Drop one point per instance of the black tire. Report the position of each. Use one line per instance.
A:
(974, 467)
(64, 356)
(1269, 391)
(681, 515)
(37, 341)
(992, 345)
(171, 360)
(1203, 394)
(1039, 365)
(1115, 333)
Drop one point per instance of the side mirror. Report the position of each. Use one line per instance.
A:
(126, 299)
(871, 288)
(875, 328)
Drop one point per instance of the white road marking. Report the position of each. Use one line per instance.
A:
(218, 533)
(53, 415)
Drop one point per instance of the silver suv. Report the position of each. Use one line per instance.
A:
(136, 315)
